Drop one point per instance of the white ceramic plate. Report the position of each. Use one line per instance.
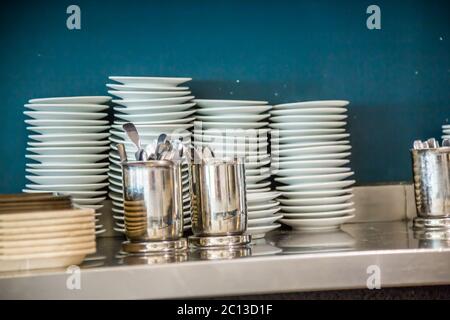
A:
(280, 133)
(315, 201)
(155, 116)
(315, 138)
(316, 193)
(311, 150)
(68, 150)
(56, 115)
(67, 172)
(158, 128)
(88, 201)
(153, 102)
(67, 187)
(255, 165)
(306, 118)
(306, 111)
(263, 206)
(229, 139)
(83, 194)
(233, 132)
(230, 125)
(90, 108)
(69, 180)
(143, 87)
(308, 144)
(68, 144)
(155, 109)
(316, 224)
(313, 104)
(316, 208)
(62, 165)
(263, 221)
(252, 215)
(305, 125)
(69, 137)
(146, 137)
(234, 110)
(67, 129)
(318, 156)
(308, 171)
(57, 123)
(306, 179)
(254, 198)
(209, 103)
(260, 231)
(74, 158)
(318, 215)
(316, 186)
(255, 186)
(150, 81)
(255, 179)
(137, 95)
(304, 164)
(72, 100)
(234, 118)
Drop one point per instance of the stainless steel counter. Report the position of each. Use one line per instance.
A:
(284, 262)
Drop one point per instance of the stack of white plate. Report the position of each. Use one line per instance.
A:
(310, 147)
(240, 128)
(45, 239)
(69, 148)
(155, 105)
(446, 131)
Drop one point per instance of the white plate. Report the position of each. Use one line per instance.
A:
(260, 231)
(137, 95)
(318, 215)
(68, 150)
(158, 128)
(308, 144)
(325, 156)
(315, 201)
(67, 107)
(143, 87)
(256, 164)
(316, 208)
(146, 137)
(233, 132)
(57, 115)
(311, 150)
(60, 166)
(150, 81)
(209, 103)
(68, 129)
(69, 159)
(304, 164)
(311, 125)
(57, 123)
(260, 171)
(229, 139)
(230, 125)
(280, 133)
(306, 118)
(254, 186)
(317, 224)
(263, 221)
(72, 100)
(254, 198)
(67, 172)
(252, 215)
(56, 180)
(305, 111)
(316, 193)
(230, 146)
(316, 186)
(308, 171)
(234, 118)
(255, 179)
(234, 110)
(313, 104)
(314, 138)
(264, 206)
(69, 137)
(155, 109)
(306, 179)
(155, 116)
(68, 144)
(153, 102)
(88, 201)
(67, 187)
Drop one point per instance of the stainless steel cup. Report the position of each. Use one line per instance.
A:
(153, 200)
(431, 170)
(218, 198)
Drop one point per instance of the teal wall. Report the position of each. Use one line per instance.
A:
(397, 78)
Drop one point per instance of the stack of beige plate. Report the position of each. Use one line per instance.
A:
(51, 235)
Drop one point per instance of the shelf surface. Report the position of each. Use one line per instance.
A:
(385, 253)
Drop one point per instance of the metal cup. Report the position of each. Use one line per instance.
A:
(218, 198)
(431, 170)
(153, 200)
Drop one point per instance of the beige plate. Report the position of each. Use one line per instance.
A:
(44, 229)
(71, 213)
(46, 241)
(4, 225)
(28, 251)
(48, 235)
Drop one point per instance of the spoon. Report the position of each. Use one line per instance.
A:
(133, 134)
(160, 143)
(122, 152)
